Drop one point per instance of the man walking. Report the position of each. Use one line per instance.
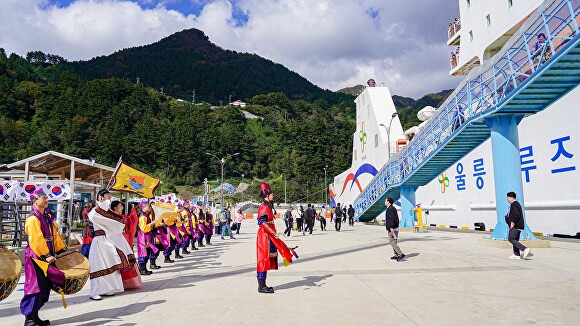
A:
(226, 220)
(322, 218)
(350, 215)
(515, 222)
(289, 221)
(300, 219)
(309, 219)
(392, 223)
(338, 218)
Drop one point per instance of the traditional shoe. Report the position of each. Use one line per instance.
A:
(401, 257)
(96, 298)
(28, 321)
(168, 260)
(153, 265)
(39, 321)
(194, 248)
(265, 289)
(185, 251)
(394, 257)
(178, 256)
(143, 270)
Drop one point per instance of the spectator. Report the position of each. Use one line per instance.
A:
(338, 217)
(392, 226)
(350, 215)
(225, 221)
(300, 219)
(289, 221)
(238, 220)
(515, 222)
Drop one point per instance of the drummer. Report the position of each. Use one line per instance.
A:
(44, 243)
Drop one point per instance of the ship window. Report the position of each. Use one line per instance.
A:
(470, 36)
(487, 20)
(468, 3)
(376, 140)
(510, 3)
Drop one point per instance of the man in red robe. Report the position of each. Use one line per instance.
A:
(268, 243)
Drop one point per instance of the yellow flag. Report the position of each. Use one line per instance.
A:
(128, 179)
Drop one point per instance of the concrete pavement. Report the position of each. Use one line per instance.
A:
(342, 278)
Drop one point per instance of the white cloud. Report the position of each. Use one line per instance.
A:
(332, 43)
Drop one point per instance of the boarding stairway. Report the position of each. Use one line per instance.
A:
(521, 79)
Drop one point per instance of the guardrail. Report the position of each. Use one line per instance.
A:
(491, 87)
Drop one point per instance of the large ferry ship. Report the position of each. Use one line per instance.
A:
(463, 195)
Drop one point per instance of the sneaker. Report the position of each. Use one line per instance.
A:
(526, 253)
(401, 257)
(394, 257)
(514, 257)
(96, 298)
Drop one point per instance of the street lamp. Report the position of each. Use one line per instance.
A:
(222, 162)
(307, 192)
(325, 197)
(389, 133)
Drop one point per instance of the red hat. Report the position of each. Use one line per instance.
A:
(265, 189)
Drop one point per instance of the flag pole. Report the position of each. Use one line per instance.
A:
(115, 173)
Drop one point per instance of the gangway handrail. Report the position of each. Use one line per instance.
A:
(493, 86)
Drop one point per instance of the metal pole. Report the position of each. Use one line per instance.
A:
(71, 200)
(307, 192)
(285, 199)
(325, 186)
(222, 190)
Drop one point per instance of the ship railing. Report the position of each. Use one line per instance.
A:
(485, 90)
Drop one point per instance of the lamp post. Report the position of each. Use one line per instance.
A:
(222, 162)
(285, 198)
(325, 197)
(307, 192)
(389, 133)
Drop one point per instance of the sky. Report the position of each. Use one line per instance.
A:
(333, 43)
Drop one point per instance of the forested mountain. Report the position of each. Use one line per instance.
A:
(107, 118)
(95, 109)
(187, 61)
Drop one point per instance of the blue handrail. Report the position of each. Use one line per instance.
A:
(492, 87)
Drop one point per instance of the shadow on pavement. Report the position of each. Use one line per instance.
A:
(92, 317)
(307, 282)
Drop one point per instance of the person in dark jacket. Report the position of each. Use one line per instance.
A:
(289, 222)
(515, 222)
(299, 219)
(392, 223)
(338, 218)
(350, 215)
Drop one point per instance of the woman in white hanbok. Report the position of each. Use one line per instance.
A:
(110, 253)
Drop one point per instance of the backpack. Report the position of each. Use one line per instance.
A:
(223, 217)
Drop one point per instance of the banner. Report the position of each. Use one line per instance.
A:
(128, 179)
(20, 191)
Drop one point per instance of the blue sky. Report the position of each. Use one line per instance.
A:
(333, 43)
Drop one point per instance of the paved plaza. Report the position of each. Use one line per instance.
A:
(346, 278)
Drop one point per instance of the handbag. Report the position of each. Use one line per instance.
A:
(234, 226)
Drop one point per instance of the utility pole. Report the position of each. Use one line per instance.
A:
(307, 191)
(285, 199)
(230, 99)
(324, 191)
(193, 97)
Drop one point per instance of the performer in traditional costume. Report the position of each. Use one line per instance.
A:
(88, 231)
(44, 243)
(193, 234)
(174, 241)
(184, 228)
(268, 243)
(110, 253)
(201, 227)
(131, 278)
(209, 223)
(146, 248)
